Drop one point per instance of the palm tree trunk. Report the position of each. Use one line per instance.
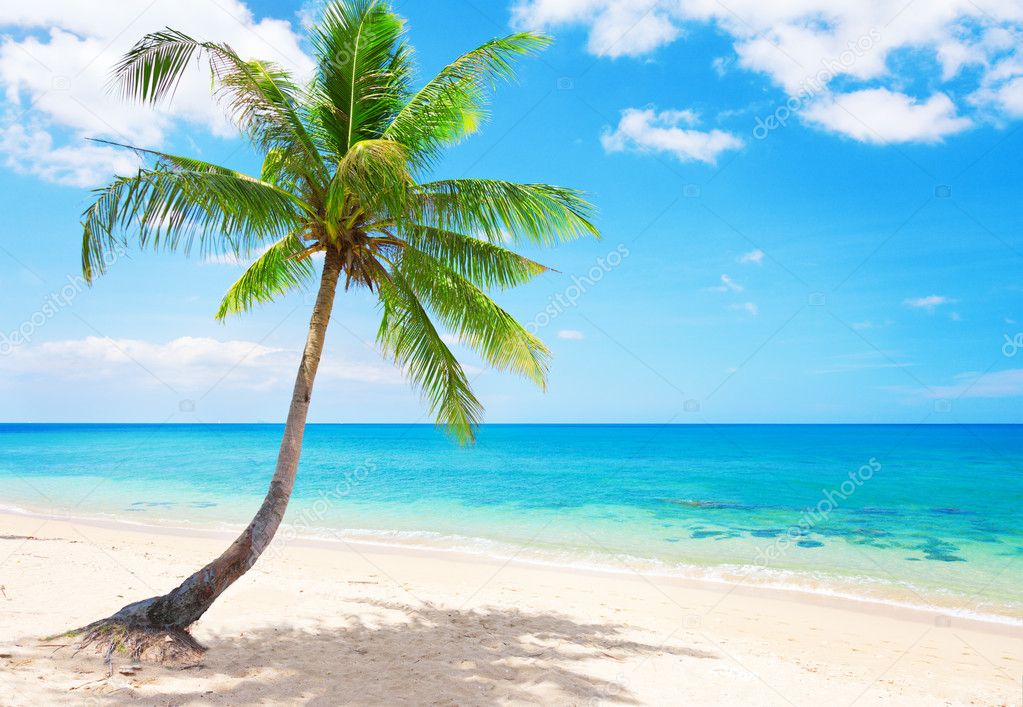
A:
(156, 628)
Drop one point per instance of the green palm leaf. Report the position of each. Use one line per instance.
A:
(284, 266)
(475, 318)
(533, 213)
(372, 178)
(361, 72)
(453, 104)
(175, 208)
(481, 262)
(260, 97)
(407, 335)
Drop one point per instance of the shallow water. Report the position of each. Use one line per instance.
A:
(917, 514)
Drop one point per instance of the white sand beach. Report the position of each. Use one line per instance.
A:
(337, 623)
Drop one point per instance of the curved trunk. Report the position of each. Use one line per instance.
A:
(180, 608)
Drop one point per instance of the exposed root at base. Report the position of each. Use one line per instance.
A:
(172, 647)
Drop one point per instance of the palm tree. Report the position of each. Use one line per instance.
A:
(341, 156)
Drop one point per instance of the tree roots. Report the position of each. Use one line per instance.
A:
(139, 642)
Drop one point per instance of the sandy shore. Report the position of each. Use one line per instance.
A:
(347, 624)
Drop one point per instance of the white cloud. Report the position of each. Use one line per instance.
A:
(727, 285)
(383, 373)
(1010, 97)
(616, 28)
(721, 65)
(55, 63)
(1002, 90)
(31, 151)
(671, 131)
(801, 43)
(928, 303)
(749, 308)
(1001, 384)
(183, 364)
(881, 116)
(754, 256)
(571, 335)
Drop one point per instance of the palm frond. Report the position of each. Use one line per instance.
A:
(181, 203)
(361, 73)
(191, 164)
(276, 170)
(500, 211)
(408, 336)
(453, 104)
(153, 68)
(483, 263)
(475, 318)
(284, 266)
(261, 97)
(375, 174)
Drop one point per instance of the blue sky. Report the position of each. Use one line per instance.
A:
(810, 214)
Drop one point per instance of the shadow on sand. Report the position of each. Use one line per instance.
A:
(415, 655)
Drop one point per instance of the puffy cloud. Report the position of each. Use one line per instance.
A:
(670, 131)
(881, 116)
(809, 45)
(31, 151)
(616, 28)
(1006, 97)
(55, 65)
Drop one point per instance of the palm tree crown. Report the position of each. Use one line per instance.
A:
(343, 155)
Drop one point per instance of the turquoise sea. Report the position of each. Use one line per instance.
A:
(922, 515)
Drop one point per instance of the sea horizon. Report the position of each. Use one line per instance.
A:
(526, 424)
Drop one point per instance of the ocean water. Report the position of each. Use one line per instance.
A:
(921, 515)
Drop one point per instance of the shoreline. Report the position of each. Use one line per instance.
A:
(374, 622)
(793, 593)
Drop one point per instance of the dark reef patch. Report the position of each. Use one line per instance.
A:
(940, 551)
